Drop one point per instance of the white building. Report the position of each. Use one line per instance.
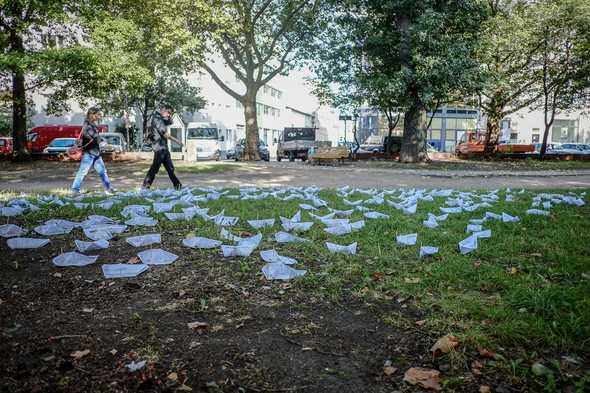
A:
(528, 127)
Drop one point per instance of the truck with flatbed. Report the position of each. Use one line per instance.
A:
(297, 142)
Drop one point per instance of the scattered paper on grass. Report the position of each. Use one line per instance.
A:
(375, 215)
(237, 251)
(427, 250)
(201, 242)
(289, 225)
(122, 270)
(468, 244)
(271, 256)
(91, 246)
(73, 258)
(135, 366)
(156, 256)
(257, 224)
(487, 233)
(11, 230)
(473, 228)
(284, 237)
(337, 248)
(407, 240)
(538, 212)
(17, 243)
(280, 271)
(144, 240)
(508, 218)
(424, 377)
(142, 221)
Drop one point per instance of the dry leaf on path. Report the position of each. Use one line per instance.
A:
(173, 376)
(484, 353)
(421, 322)
(388, 370)
(134, 260)
(425, 377)
(80, 354)
(485, 389)
(444, 345)
(197, 325)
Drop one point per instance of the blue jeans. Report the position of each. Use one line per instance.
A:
(88, 161)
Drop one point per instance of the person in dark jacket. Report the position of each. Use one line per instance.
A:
(90, 143)
(159, 136)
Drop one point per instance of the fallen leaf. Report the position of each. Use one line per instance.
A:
(388, 370)
(536, 254)
(57, 275)
(173, 376)
(412, 280)
(80, 354)
(377, 275)
(134, 260)
(484, 353)
(476, 367)
(197, 325)
(216, 328)
(88, 310)
(184, 388)
(113, 352)
(425, 377)
(513, 270)
(444, 345)
(485, 389)
(421, 322)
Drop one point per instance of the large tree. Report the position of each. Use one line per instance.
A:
(258, 40)
(415, 55)
(507, 57)
(44, 50)
(563, 58)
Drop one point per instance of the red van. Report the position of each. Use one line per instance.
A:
(40, 137)
(5, 146)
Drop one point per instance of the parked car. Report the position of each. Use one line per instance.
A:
(59, 146)
(5, 146)
(231, 154)
(575, 148)
(113, 142)
(262, 149)
(40, 137)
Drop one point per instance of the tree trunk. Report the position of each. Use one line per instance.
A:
(144, 120)
(251, 152)
(19, 103)
(413, 149)
(493, 131)
(545, 137)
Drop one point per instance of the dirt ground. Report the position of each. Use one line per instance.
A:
(258, 337)
(49, 175)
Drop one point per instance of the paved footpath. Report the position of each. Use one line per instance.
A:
(50, 176)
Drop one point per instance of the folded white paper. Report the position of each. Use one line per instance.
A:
(305, 206)
(135, 210)
(271, 256)
(493, 216)
(16, 243)
(448, 210)
(284, 237)
(407, 240)
(156, 256)
(337, 248)
(538, 212)
(122, 270)
(257, 224)
(53, 229)
(473, 228)
(178, 216)
(509, 218)
(201, 242)
(477, 221)
(341, 212)
(142, 221)
(73, 258)
(427, 250)
(144, 240)
(279, 271)
(290, 225)
(91, 246)
(375, 215)
(410, 209)
(468, 244)
(430, 223)
(11, 211)
(11, 230)
(237, 251)
(483, 234)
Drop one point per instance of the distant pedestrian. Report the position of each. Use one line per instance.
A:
(158, 135)
(90, 143)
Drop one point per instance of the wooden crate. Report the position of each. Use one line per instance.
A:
(330, 154)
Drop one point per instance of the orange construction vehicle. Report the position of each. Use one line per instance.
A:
(473, 143)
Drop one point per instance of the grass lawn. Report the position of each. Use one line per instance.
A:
(487, 165)
(524, 294)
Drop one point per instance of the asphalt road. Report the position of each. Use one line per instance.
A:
(50, 176)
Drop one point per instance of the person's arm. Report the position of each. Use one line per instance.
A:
(170, 137)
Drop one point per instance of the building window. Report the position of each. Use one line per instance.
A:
(435, 134)
(505, 124)
(514, 136)
(266, 109)
(563, 131)
(450, 135)
(535, 135)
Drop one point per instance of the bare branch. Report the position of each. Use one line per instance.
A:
(221, 84)
(281, 65)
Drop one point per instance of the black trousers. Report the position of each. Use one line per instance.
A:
(161, 157)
